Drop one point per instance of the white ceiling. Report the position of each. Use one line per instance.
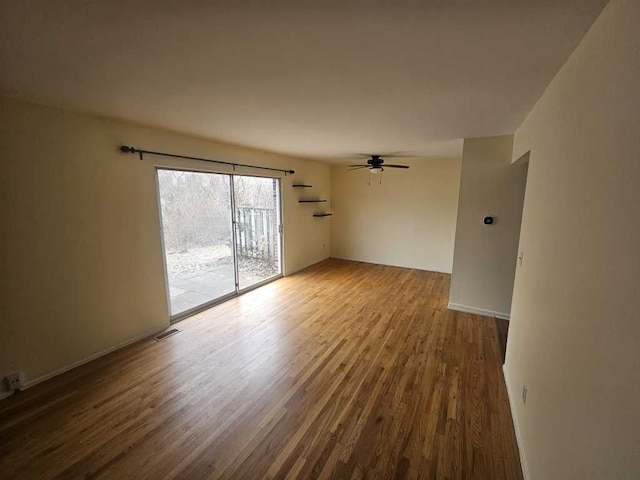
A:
(318, 79)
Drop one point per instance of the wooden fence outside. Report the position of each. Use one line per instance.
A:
(257, 234)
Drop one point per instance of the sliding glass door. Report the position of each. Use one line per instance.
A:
(206, 258)
(257, 202)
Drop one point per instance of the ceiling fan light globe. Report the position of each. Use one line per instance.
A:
(375, 169)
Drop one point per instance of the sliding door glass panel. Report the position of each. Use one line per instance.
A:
(198, 240)
(257, 203)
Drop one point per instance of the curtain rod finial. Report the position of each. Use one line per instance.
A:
(126, 149)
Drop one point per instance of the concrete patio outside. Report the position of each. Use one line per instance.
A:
(188, 290)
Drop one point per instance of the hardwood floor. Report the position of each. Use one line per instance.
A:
(346, 370)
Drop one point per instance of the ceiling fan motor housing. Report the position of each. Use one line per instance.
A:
(375, 164)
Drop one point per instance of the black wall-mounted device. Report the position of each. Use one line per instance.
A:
(489, 220)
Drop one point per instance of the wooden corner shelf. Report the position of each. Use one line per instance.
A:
(322, 214)
(300, 185)
(311, 201)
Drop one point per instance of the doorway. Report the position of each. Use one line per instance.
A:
(221, 236)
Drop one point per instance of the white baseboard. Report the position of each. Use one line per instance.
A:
(47, 376)
(516, 425)
(478, 311)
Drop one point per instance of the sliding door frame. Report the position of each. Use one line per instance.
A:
(279, 217)
(205, 306)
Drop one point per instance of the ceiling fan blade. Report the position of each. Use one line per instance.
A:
(395, 166)
(357, 168)
(359, 165)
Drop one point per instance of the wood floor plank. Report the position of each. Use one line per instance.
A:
(344, 370)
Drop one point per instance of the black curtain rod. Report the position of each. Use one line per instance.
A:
(127, 149)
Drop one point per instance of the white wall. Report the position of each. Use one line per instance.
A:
(574, 337)
(408, 221)
(80, 251)
(484, 259)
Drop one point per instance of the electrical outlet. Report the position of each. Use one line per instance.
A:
(524, 394)
(520, 257)
(13, 381)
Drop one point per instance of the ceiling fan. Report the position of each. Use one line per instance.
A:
(376, 164)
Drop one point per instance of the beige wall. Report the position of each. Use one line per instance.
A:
(574, 337)
(407, 221)
(484, 259)
(81, 256)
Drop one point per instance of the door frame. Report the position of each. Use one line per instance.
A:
(207, 305)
